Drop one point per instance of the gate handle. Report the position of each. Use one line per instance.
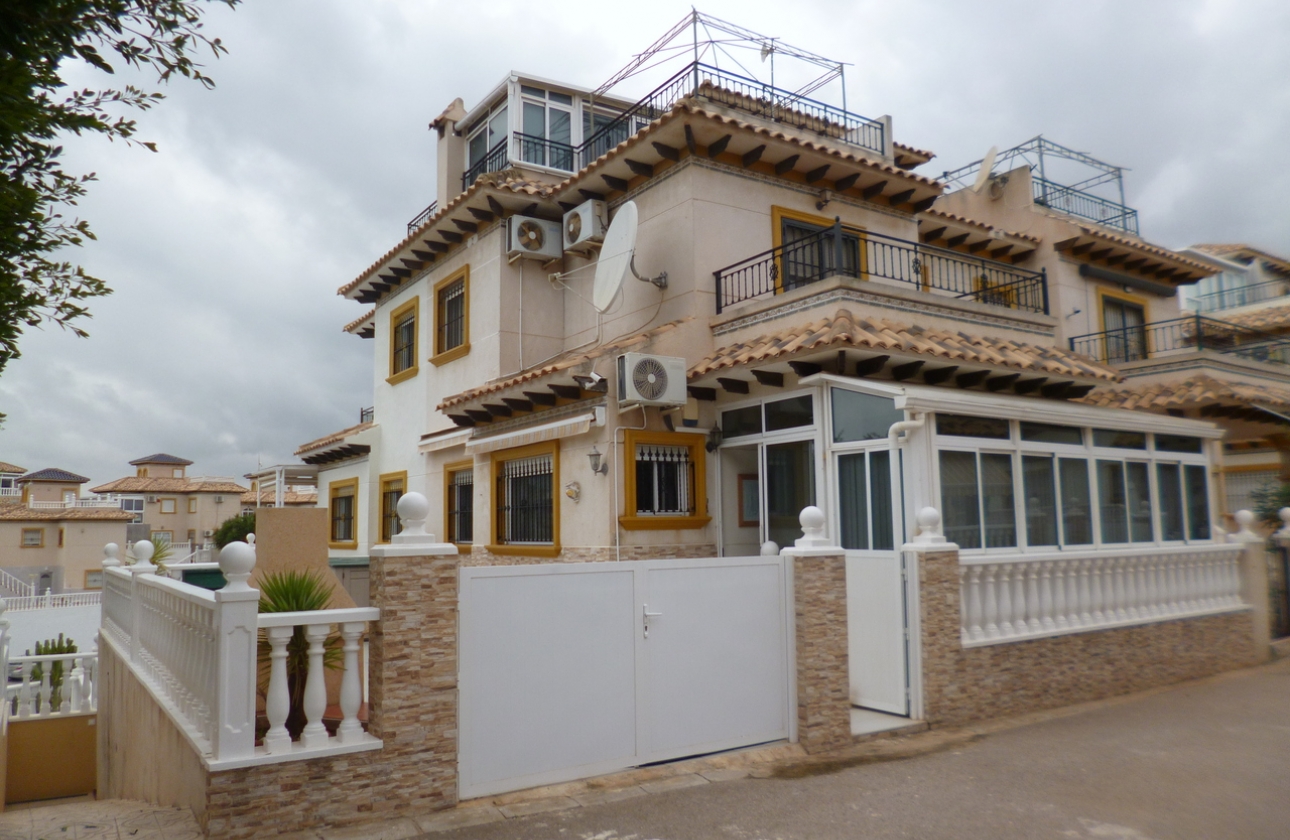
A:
(645, 614)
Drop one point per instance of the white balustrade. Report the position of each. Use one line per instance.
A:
(16, 585)
(50, 600)
(1005, 599)
(66, 685)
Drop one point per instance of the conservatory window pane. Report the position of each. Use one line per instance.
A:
(852, 502)
(960, 499)
(1197, 502)
(1077, 516)
(1110, 492)
(1000, 510)
(880, 499)
(1041, 500)
(1169, 479)
(1139, 500)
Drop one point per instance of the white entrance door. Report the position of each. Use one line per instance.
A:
(572, 670)
(876, 621)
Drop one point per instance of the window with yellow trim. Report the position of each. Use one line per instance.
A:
(403, 342)
(1124, 324)
(163, 537)
(33, 537)
(342, 506)
(393, 486)
(192, 504)
(526, 509)
(168, 506)
(807, 252)
(665, 483)
(459, 503)
(452, 317)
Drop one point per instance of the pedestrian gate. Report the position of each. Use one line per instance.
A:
(573, 670)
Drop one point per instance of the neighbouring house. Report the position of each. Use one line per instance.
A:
(176, 508)
(724, 432)
(9, 475)
(55, 548)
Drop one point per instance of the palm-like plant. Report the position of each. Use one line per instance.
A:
(45, 648)
(295, 591)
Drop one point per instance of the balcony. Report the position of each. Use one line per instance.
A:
(699, 81)
(1183, 335)
(873, 256)
(1076, 202)
(1240, 296)
(419, 219)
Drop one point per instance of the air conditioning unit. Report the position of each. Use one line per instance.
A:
(535, 238)
(152, 500)
(585, 223)
(644, 379)
(219, 500)
(207, 534)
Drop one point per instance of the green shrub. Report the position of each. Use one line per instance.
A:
(1268, 501)
(45, 648)
(235, 529)
(295, 591)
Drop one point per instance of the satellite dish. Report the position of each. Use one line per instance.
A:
(987, 167)
(615, 257)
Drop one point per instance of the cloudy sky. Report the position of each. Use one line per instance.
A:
(222, 343)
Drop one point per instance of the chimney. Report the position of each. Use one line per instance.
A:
(451, 152)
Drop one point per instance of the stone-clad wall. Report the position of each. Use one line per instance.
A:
(414, 711)
(823, 686)
(961, 685)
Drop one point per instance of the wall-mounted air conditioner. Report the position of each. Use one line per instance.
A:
(219, 500)
(207, 534)
(645, 379)
(152, 500)
(585, 223)
(533, 238)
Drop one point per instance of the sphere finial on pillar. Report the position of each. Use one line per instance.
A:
(237, 561)
(413, 509)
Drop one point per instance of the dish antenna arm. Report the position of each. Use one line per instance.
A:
(659, 280)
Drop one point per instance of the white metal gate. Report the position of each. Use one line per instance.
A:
(877, 642)
(571, 670)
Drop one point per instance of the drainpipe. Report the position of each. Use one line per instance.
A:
(618, 463)
(897, 478)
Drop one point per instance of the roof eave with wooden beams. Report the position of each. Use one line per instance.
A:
(949, 230)
(907, 157)
(363, 326)
(1133, 257)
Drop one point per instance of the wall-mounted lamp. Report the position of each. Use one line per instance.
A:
(596, 465)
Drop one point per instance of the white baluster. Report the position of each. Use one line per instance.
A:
(46, 691)
(1006, 629)
(964, 635)
(991, 605)
(1034, 606)
(1169, 601)
(92, 683)
(1046, 607)
(25, 707)
(277, 704)
(1085, 595)
(1120, 571)
(1133, 569)
(1097, 591)
(1152, 588)
(314, 735)
(75, 697)
(1209, 590)
(1061, 603)
(351, 691)
(974, 603)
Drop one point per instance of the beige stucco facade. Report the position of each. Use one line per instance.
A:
(68, 550)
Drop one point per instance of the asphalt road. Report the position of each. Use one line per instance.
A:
(1206, 760)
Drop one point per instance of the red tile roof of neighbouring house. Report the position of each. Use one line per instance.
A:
(18, 512)
(11, 468)
(167, 485)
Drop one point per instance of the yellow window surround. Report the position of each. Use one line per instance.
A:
(390, 482)
(778, 215)
(499, 458)
(400, 372)
(346, 488)
(632, 520)
(450, 471)
(443, 355)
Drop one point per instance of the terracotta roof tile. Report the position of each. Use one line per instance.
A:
(11, 468)
(567, 362)
(290, 497)
(1146, 247)
(964, 220)
(18, 512)
(167, 485)
(882, 335)
(1194, 391)
(1241, 252)
(1272, 319)
(54, 474)
(369, 315)
(334, 437)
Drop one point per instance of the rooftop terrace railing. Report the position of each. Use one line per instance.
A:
(1085, 205)
(419, 219)
(838, 251)
(497, 159)
(1240, 296)
(1182, 335)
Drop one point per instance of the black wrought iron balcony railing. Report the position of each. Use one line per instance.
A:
(1085, 205)
(733, 90)
(838, 251)
(1240, 296)
(497, 159)
(1182, 335)
(419, 219)
(545, 152)
(367, 415)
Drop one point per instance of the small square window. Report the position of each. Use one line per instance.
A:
(192, 504)
(33, 537)
(168, 506)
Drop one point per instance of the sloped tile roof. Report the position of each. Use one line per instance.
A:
(167, 485)
(1193, 391)
(964, 220)
(881, 335)
(1269, 319)
(1146, 247)
(290, 497)
(568, 362)
(18, 512)
(1240, 252)
(11, 468)
(54, 474)
(334, 437)
(369, 315)
(162, 458)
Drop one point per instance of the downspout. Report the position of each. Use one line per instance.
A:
(897, 474)
(618, 528)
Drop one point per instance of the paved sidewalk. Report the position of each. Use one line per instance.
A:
(85, 819)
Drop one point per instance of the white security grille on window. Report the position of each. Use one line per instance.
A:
(452, 316)
(664, 480)
(525, 501)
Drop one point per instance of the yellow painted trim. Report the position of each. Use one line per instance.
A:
(396, 316)
(22, 538)
(332, 492)
(504, 455)
(777, 216)
(161, 506)
(383, 480)
(62, 536)
(1244, 468)
(1124, 297)
(192, 504)
(445, 356)
(695, 443)
(449, 470)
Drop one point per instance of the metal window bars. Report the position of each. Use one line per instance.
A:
(664, 480)
(452, 316)
(866, 255)
(405, 343)
(525, 502)
(461, 506)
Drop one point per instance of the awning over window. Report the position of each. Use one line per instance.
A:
(443, 440)
(567, 427)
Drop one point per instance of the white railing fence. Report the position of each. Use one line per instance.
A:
(50, 600)
(75, 503)
(1007, 599)
(53, 685)
(196, 651)
(16, 585)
